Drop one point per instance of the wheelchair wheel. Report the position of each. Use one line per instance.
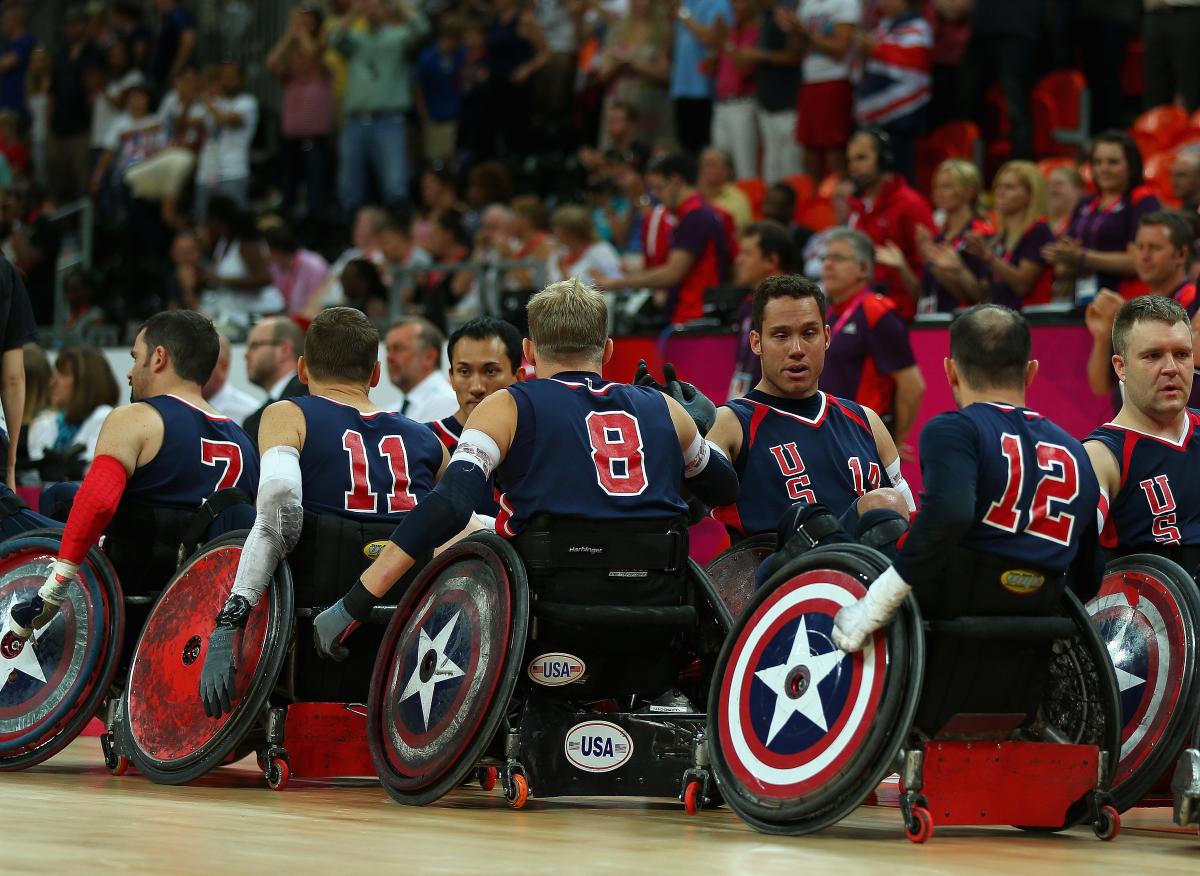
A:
(1147, 612)
(52, 685)
(732, 572)
(161, 723)
(799, 733)
(447, 669)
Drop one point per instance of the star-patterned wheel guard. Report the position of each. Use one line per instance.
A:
(801, 732)
(161, 724)
(732, 572)
(52, 686)
(447, 668)
(1147, 612)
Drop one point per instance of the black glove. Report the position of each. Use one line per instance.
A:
(702, 411)
(217, 686)
(643, 377)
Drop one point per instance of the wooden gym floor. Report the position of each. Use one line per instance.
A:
(70, 816)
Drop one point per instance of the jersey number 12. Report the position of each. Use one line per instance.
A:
(1059, 483)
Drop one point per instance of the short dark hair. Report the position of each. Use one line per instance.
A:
(283, 329)
(679, 164)
(990, 346)
(1180, 229)
(1133, 155)
(483, 327)
(452, 221)
(775, 240)
(281, 238)
(189, 339)
(398, 220)
(788, 192)
(785, 286)
(1144, 308)
(341, 344)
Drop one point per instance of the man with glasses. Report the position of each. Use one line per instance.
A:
(870, 359)
(272, 349)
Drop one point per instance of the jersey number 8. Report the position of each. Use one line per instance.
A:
(616, 441)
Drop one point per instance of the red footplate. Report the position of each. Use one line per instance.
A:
(1031, 784)
(326, 740)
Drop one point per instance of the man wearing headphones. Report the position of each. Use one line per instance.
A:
(888, 210)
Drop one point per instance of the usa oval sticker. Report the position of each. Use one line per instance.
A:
(555, 669)
(597, 746)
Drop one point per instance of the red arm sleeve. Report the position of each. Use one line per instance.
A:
(94, 507)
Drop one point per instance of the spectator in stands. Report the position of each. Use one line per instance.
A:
(401, 256)
(378, 95)
(237, 285)
(272, 350)
(108, 94)
(824, 115)
(488, 183)
(887, 210)
(716, 185)
(68, 160)
(39, 417)
(894, 90)
(476, 135)
(554, 84)
(635, 68)
(1163, 248)
(1020, 275)
(580, 253)
(701, 244)
(414, 365)
(517, 51)
(691, 89)
(37, 102)
(626, 212)
(1064, 191)
(82, 313)
(777, 83)
(226, 398)
(174, 45)
(951, 273)
(33, 241)
(438, 93)
(1170, 35)
(133, 136)
(779, 205)
(306, 118)
(1096, 249)
(951, 23)
(15, 52)
(299, 274)
(363, 289)
(869, 359)
(449, 244)
(438, 192)
(128, 20)
(224, 164)
(1004, 42)
(83, 391)
(529, 231)
(735, 121)
(186, 279)
(813, 254)
(364, 244)
(1185, 180)
(765, 249)
(12, 143)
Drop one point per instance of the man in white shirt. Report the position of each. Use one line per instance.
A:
(369, 222)
(272, 349)
(226, 398)
(414, 363)
(224, 167)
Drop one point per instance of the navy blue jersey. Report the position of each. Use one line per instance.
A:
(818, 449)
(1004, 481)
(1159, 499)
(588, 447)
(200, 454)
(448, 431)
(374, 466)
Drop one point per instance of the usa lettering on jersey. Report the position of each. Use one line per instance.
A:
(1161, 501)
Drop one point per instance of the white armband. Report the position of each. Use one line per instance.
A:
(479, 449)
(900, 485)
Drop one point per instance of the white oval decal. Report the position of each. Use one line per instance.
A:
(556, 669)
(597, 746)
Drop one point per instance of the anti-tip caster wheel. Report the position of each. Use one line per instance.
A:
(693, 800)
(518, 793)
(487, 777)
(919, 827)
(278, 773)
(1108, 823)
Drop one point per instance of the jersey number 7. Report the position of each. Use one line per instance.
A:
(226, 453)
(1059, 483)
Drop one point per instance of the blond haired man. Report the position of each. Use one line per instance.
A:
(572, 453)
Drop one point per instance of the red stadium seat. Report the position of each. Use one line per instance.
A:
(816, 214)
(1158, 176)
(826, 188)
(802, 184)
(755, 190)
(951, 140)
(1162, 124)
(1061, 105)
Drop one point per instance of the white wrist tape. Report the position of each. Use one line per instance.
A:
(278, 520)
(900, 485)
(479, 449)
